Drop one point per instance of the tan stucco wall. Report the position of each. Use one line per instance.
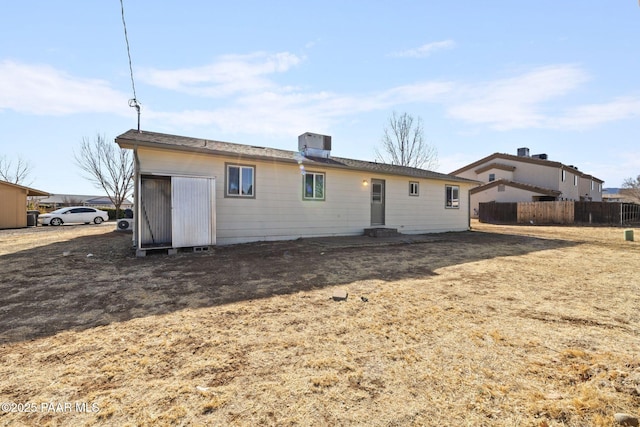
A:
(279, 212)
(13, 207)
(585, 190)
(543, 176)
(529, 173)
(499, 174)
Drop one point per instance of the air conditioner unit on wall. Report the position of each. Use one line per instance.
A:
(125, 224)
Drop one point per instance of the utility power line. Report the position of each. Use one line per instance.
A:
(134, 101)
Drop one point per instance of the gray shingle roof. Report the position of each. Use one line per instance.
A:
(132, 138)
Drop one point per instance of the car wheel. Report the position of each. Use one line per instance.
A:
(55, 221)
(98, 220)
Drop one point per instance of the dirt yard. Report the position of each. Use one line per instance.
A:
(499, 326)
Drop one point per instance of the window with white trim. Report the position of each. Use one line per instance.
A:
(564, 175)
(313, 186)
(452, 196)
(240, 181)
(492, 177)
(413, 188)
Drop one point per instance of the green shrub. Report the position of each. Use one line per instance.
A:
(112, 213)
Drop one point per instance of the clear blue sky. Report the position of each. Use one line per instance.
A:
(559, 77)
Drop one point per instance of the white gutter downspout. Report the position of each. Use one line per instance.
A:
(469, 209)
(136, 198)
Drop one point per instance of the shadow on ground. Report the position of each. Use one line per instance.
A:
(100, 281)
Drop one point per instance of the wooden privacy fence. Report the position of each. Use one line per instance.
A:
(493, 212)
(562, 212)
(545, 212)
(607, 213)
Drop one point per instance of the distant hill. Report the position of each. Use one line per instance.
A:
(611, 190)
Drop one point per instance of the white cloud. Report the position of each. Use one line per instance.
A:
(424, 50)
(230, 74)
(432, 92)
(532, 100)
(516, 102)
(616, 169)
(250, 100)
(589, 116)
(43, 90)
(284, 112)
(271, 113)
(255, 103)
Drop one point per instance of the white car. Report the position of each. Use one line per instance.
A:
(77, 214)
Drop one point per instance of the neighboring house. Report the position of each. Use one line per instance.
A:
(55, 201)
(13, 204)
(196, 192)
(622, 195)
(525, 178)
(612, 195)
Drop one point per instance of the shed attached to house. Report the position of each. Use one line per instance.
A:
(13, 204)
(223, 193)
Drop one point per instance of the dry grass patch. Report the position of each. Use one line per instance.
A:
(533, 326)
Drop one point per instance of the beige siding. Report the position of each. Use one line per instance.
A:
(278, 210)
(510, 195)
(13, 207)
(427, 212)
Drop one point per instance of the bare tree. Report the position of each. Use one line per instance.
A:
(403, 143)
(108, 167)
(631, 188)
(71, 201)
(17, 174)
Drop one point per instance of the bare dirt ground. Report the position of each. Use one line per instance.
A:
(506, 326)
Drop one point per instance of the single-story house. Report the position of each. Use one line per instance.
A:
(620, 195)
(13, 204)
(198, 192)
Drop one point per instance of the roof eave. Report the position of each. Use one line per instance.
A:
(128, 143)
(32, 192)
